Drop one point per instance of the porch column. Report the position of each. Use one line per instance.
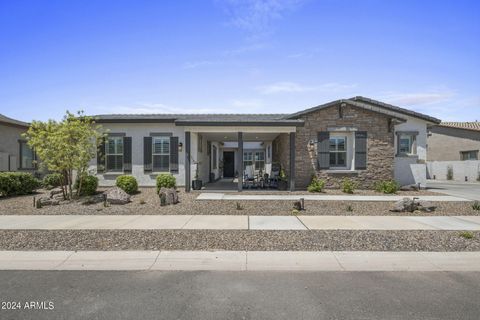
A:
(188, 167)
(240, 161)
(292, 161)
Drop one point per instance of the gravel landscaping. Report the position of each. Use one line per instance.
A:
(338, 240)
(147, 202)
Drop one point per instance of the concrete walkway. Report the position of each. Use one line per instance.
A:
(241, 260)
(319, 197)
(237, 222)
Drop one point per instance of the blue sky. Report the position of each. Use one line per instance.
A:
(236, 56)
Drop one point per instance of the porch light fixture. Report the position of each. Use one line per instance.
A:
(180, 147)
(225, 137)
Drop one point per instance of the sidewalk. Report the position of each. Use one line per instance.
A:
(319, 197)
(237, 222)
(241, 260)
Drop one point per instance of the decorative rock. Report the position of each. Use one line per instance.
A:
(44, 201)
(94, 199)
(168, 196)
(56, 191)
(409, 187)
(117, 196)
(426, 206)
(411, 205)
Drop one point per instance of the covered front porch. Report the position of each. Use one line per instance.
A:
(228, 159)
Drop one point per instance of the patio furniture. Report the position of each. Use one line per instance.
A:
(249, 177)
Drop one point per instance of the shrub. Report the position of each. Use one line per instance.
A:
(476, 205)
(238, 206)
(449, 173)
(17, 183)
(53, 180)
(316, 185)
(349, 208)
(466, 234)
(166, 180)
(127, 183)
(386, 186)
(89, 185)
(348, 185)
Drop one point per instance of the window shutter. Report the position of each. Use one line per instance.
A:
(101, 155)
(127, 154)
(361, 150)
(323, 150)
(174, 154)
(147, 153)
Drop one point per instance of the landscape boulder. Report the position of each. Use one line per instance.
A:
(94, 199)
(55, 192)
(45, 201)
(168, 196)
(117, 196)
(411, 205)
(409, 187)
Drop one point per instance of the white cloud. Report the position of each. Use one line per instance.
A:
(153, 108)
(418, 98)
(293, 87)
(256, 16)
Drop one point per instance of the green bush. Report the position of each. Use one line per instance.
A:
(89, 185)
(17, 183)
(316, 185)
(53, 180)
(386, 186)
(348, 185)
(127, 183)
(166, 180)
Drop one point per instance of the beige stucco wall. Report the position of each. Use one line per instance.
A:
(445, 144)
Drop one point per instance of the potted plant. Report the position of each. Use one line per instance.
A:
(196, 183)
(282, 180)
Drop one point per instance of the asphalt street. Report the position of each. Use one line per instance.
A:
(239, 295)
(457, 189)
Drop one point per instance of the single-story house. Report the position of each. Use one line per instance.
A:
(15, 154)
(360, 138)
(454, 141)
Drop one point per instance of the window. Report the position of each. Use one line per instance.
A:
(247, 159)
(114, 154)
(338, 151)
(405, 144)
(214, 156)
(161, 154)
(469, 155)
(27, 156)
(259, 160)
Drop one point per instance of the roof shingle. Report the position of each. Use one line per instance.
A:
(462, 125)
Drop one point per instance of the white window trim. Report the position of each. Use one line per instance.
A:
(413, 136)
(113, 154)
(160, 154)
(345, 137)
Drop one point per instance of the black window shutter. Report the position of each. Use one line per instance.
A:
(323, 150)
(101, 155)
(360, 150)
(174, 154)
(147, 153)
(127, 154)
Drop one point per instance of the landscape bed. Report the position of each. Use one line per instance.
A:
(147, 202)
(318, 240)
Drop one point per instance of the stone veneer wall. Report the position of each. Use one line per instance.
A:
(380, 146)
(281, 151)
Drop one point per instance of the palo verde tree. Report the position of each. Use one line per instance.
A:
(66, 146)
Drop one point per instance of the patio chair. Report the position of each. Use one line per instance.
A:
(249, 177)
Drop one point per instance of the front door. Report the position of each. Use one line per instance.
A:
(229, 164)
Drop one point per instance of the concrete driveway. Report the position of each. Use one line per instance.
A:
(468, 190)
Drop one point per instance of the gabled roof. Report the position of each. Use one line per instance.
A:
(262, 119)
(369, 104)
(475, 126)
(7, 120)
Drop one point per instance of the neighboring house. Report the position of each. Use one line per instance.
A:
(359, 138)
(454, 147)
(451, 141)
(15, 154)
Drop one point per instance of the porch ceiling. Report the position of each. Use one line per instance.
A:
(233, 136)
